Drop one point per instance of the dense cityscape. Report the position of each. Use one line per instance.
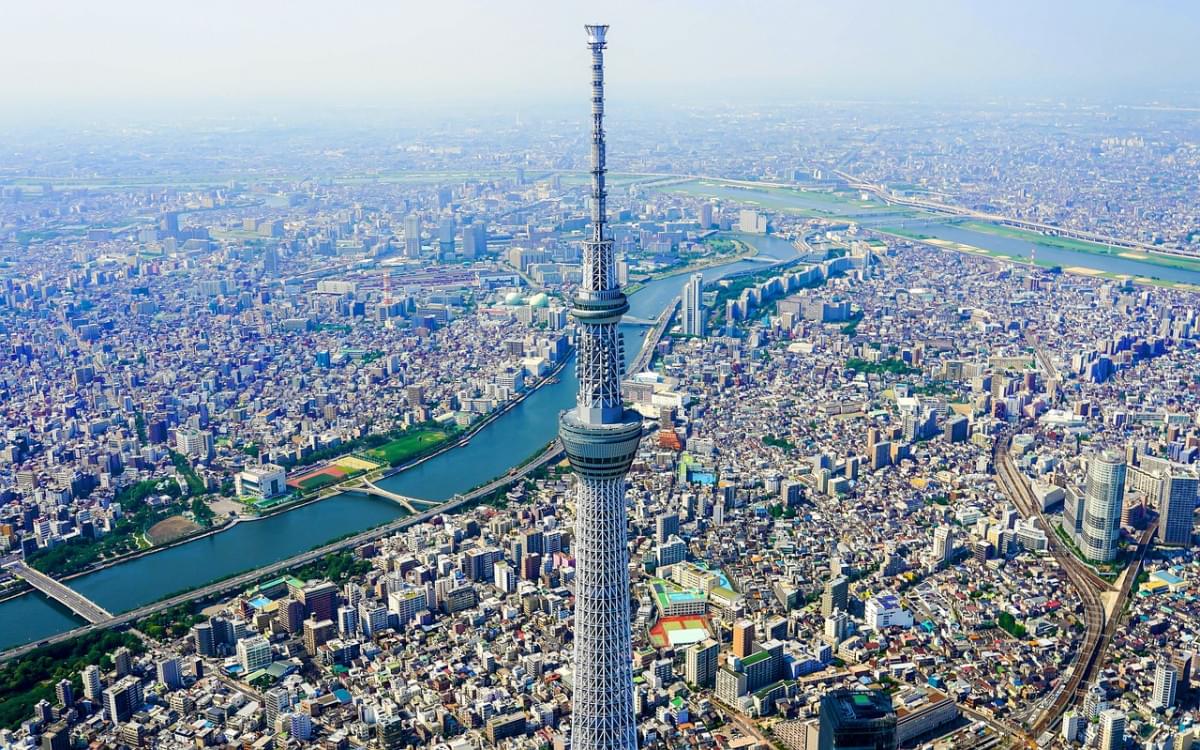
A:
(827, 425)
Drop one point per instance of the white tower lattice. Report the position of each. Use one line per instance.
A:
(601, 438)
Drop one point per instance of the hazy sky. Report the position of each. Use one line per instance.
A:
(447, 53)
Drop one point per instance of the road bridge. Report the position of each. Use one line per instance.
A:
(411, 504)
(239, 582)
(64, 595)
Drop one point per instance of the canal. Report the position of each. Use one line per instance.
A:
(504, 443)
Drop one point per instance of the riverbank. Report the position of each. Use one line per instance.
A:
(747, 251)
(325, 493)
(941, 244)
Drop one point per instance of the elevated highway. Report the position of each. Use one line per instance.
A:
(552, 452)
(653, 336)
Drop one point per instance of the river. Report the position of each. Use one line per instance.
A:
(504, 443)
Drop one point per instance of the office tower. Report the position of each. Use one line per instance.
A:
(1166, 679)
(693, 313)
(836, 595)
(412, 236)
(1102, 507)
(446, 236)
(64, 693)
(270, 260)
(705, 215)
(123, 699)
(475, 240)
(170, 223)
(665, 526)
(857, 720)
(743, 638)
(320, 600)
(943, 544)
(701, 666)
(169, 673)
(91, 682)
(122, 661)
(1112, 729)
(1176, 507)
(202, 637)
(601, 438)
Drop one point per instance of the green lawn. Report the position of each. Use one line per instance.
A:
(400, 449)
(318, 480)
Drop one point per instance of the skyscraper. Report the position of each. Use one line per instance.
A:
(601, 438)
(857, 720)
(1176, 507)
(693, 313)
(1102, 507)
(412, 236)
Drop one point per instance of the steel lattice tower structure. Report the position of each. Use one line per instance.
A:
(601, 438)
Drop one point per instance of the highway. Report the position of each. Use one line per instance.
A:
(550, 453)
(64, 595)
(653, 336)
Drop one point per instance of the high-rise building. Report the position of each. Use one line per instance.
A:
(202, 637)
(1112, 729)
(169, 673)
(857, 720)
(743, 638)
(475, 240)
(412, 236)
(254, 653)
(700, 668)
(665, 525)
(91, 683)
(446, 236)
(836, 595)
(1176, 509)
(278, 701)
(123, 698)
(693, 313)
(65, 693)
(1102, 507)
(600, 438)
(943, 544)
(1166, 680)
(122, 661)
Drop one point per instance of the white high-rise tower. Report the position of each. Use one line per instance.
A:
(601, 438)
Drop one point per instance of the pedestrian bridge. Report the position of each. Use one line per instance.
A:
(412, 504)
(61, 593)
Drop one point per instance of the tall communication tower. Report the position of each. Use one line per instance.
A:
(601, 438)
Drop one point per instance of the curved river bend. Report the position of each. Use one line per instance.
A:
(492, 451)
